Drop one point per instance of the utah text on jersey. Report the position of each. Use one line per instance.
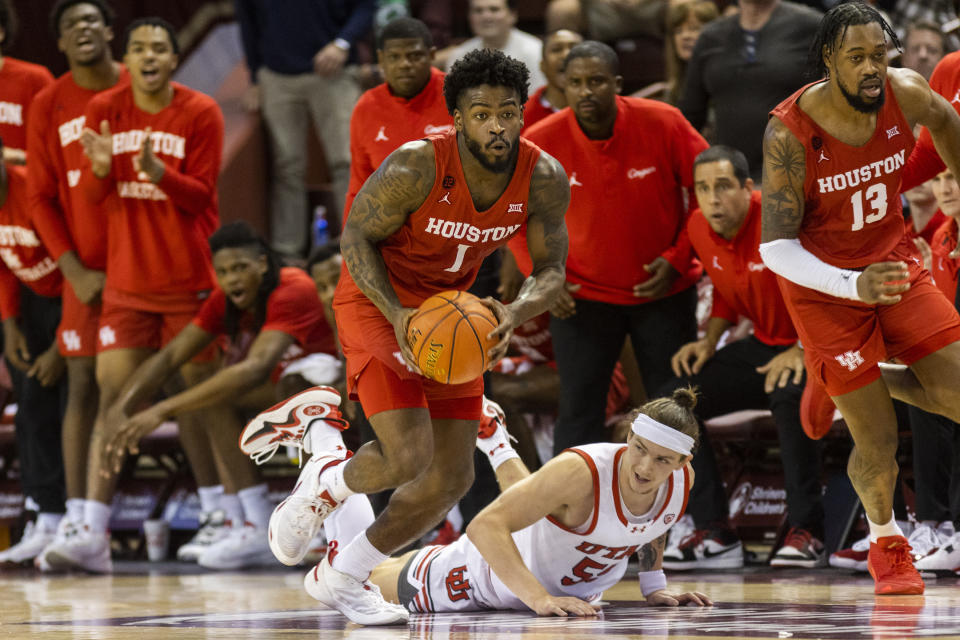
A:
(852, 178)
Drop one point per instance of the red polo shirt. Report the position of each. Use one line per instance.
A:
(944, 269)
(536, 109)
(924, 163)
(627, 198)
(742, 284)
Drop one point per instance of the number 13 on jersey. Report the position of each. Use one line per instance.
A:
(876, 197)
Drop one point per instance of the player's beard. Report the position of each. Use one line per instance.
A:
(501, 166)
(855, 101)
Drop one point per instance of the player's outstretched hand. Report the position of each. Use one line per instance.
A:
(691, 598)
(400, 322)
(503, 332)
(690, 358)
(883, 283)
(565, 306)
(562, 606)
(127, 437)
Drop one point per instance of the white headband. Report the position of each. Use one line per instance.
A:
(659, 433)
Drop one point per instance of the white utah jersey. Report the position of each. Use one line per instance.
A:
(585, 562)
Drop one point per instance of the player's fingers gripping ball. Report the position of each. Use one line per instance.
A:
(448, 337)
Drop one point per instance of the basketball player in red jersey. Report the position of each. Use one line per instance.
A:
(70, 227)
(421, 224)
(19, 84)
(152, 169)
(853, 282)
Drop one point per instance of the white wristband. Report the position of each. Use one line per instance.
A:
(651, 581)
(786, 257)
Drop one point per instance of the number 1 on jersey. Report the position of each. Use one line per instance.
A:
(461, 252)
(877, 197)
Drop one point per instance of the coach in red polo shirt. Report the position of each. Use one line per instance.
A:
(762, 371)
(629, 161)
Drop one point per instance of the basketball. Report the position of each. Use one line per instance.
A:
(448, 337)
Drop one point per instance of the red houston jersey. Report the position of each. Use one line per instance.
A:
(441, 245)
(23, 255)
(19, 84)
(157, 233)
(742, 284)
(381, 122)
(627, 198)
(536, 108)
(292, 308)
(944, 268)
(64, 216)
(852, 212)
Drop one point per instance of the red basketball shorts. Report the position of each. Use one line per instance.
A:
(843, 340)
(379, 378)
(79, 323)
(126, 327)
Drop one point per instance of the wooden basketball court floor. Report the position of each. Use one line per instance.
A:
(169, 602)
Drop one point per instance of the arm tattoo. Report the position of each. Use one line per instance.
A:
(396, 189)
(784, 172)
(651, 554)
(546, 238)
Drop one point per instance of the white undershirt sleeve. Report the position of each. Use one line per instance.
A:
(786, 257)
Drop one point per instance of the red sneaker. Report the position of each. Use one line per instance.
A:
(891, 566)
(816, 410)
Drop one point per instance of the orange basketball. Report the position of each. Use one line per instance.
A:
(448, 336)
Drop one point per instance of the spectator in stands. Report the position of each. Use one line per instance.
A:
(924, 45)
(608, 20)
(30, 307)
(297, 53)
(277, 343)
(685, 21)
(550, 98)
(19, 83)
(153, 166)
(629, 161)
(937, 12)
(69, 226)
(324, 265)
(493, 23)
(762, 371)
(743, 66)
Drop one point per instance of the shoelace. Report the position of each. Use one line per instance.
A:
(900, 559)
(798, 538)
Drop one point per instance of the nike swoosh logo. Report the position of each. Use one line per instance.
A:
(709, 554)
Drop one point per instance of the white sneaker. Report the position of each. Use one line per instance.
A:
(717, 548)
(680, 530)
(213, 529)
(80, 549)
(242, 547)
(296, 520)
(286, 423)
(31, 544)
(361, 602)
(944, 559)
(923, 541)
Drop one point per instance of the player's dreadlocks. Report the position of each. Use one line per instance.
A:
(833, 29)
(485, 66)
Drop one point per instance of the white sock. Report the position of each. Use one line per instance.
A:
(256, 505)
(48, 522)
(325, 438)
(332, 480)
(210, 498)
(891, 528)
(348, 521)
(358, 558)
(75, 510)
(232, 508)
(96, 515)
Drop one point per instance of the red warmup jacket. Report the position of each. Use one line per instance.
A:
(20, 82)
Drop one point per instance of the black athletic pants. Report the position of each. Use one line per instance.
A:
(40, 409)
(588, 344)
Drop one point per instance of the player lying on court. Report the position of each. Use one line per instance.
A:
(556, 539)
